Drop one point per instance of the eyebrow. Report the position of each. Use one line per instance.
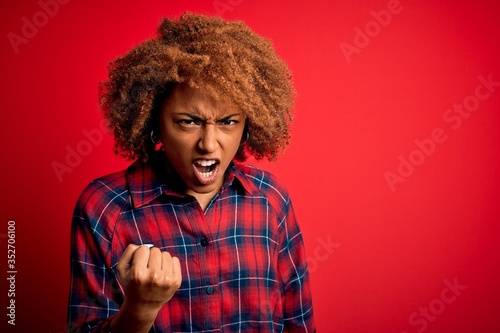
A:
(198, 118)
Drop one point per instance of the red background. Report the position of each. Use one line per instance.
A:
(393, 248)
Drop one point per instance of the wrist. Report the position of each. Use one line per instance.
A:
(133, 317)
(141, 311)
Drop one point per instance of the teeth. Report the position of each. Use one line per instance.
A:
(206, 174)
(206, 162)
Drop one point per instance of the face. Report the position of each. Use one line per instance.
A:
(200, 137)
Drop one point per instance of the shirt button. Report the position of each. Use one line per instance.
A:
(210, 290)
(204, 241)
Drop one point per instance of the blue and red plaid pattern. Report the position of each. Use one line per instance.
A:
(242, 259)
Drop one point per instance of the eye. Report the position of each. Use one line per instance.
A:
(228, 122)
(188, 122)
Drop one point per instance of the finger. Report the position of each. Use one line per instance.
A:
(126, 258)
(155, 258)
(176, 269)
(140, 257)
(166, 262)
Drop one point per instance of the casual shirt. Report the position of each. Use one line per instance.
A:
(242, 258)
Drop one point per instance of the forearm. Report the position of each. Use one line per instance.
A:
(296, 292)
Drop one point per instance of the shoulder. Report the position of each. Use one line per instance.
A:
(103, 192)
(256, 180)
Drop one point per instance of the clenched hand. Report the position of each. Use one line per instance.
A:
(149, 278)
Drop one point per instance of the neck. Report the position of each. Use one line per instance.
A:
(202, 198)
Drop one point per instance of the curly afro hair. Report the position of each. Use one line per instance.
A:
(226, 60)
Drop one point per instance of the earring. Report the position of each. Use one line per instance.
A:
(155, 139)
(246, 140)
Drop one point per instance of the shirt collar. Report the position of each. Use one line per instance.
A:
(147, 181)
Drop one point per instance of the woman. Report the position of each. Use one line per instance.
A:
(189, 238)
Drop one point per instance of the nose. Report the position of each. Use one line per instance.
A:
(208, 142)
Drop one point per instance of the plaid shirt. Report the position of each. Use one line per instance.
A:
(242, 259)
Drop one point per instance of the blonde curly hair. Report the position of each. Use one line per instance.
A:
(226, 60)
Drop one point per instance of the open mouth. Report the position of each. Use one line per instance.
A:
(206, 170)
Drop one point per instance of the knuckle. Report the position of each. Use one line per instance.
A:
(137, 275)
(155, 278)
(167, 281)
(174, 282)
(142, 249)
(155, 250)
(131, 247)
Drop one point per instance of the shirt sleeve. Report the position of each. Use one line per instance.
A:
(95, 293)
(296, 292)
